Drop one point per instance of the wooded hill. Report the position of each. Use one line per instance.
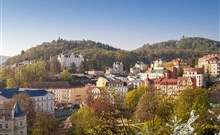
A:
(100, 56)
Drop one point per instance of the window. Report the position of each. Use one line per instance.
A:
(6, 126)
(0, 125)
(21, 132)
(21, 123)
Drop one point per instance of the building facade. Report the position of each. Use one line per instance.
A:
(13, 121)
(118, 68)
(138, 67)
(67, 60)
(172, 87)
(117, 90)
(211, 65)
(197, 73)
(43, 99)
(66, 92)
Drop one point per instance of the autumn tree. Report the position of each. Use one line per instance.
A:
(54, 65)
(45, 123)
(133, 97)
(12, 83)
(65, 75)
(83, 121)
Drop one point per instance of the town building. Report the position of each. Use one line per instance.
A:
(96, 73)
(211, 65)
(138, 67)
(118, 68)
(101, 82)
(134, 84)
(93, 94)
(172, 87)
(159, 72)
(197, 73)
(66, 60)
(117, 89)
(66, 92)
(13, 121)
(43, 99)
(158, 63)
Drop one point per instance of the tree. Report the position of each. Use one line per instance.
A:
(188, 100)
(132, 98)
(22, 52)
(73, 68)
(27, 104)
(54, 65)
(168, 64)
(11, 83)
(147, 107)
(83, 121)
(65, 75)
(180, 71)
(45, 123)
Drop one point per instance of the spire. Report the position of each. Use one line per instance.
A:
(18, 111)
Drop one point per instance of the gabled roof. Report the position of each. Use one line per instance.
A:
(18, 111)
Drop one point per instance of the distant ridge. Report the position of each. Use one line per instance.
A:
(3, 59)
(99, 55)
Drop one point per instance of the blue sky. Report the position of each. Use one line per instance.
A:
(126, 24)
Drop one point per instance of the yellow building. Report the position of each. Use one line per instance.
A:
(101, 82)
(211, 64)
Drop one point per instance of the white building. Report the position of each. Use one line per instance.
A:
(196, 73)
(43, 99)
(13, 121)
(138, 67)
(117, 89)
(67, 60)
(117, 68)
(157, 63)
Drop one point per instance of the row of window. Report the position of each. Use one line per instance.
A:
(42, 104)
(43, 98)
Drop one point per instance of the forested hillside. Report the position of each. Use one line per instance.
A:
(184, 48)
(99, 56)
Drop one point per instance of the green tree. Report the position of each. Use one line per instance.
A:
(168, 64)
(54, 65)
(188, 100)
(45, 123)
(12, 83)
(73, 68)
(65, 75)
(157, 127)
(83, 121)
(180, 71)
(133, 97)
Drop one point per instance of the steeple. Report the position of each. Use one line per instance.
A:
(17, 110)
